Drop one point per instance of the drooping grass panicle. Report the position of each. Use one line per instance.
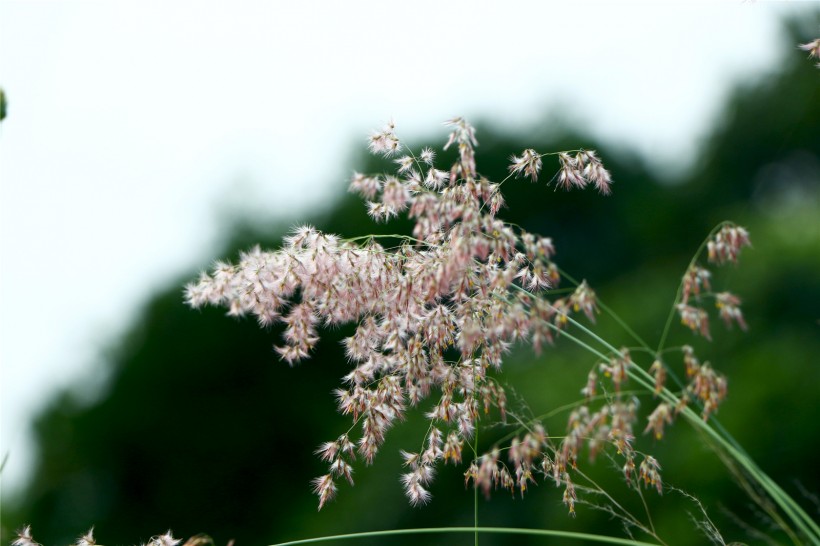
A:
(448, 287)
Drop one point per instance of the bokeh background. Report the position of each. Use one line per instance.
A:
(144, 141)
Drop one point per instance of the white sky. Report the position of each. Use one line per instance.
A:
(131, 124)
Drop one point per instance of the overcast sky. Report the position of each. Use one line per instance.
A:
(131, 124)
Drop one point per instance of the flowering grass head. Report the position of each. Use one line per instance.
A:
(436, 314)
(433, 315)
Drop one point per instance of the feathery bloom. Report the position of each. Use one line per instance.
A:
(166, 539)
(695, 281)
(385, 142)
(694, 318)
(584, 299)
(594, 171)
(365, 186)
(428, 156)
(658, 371)
(660, 416)
(729, 306)
(569, 494)
(690, 361)
(570, 176)
(87, 539)
(813, 48)
(325, 488)
(617, 367)
(709, 387)
(727, 244)
(650, 473)
(436, 314)
(24, 538)
(528, 163)
(589, 389)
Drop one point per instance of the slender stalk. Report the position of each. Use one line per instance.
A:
(628, 329)
(475, 451)
(795, 513)
(475, 496)
(582, 537)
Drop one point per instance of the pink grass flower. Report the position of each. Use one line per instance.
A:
(436, 314)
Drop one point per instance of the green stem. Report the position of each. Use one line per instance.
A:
(795, 513)
(583, 537)
(611, 313)
(475, 495)
(475, 453)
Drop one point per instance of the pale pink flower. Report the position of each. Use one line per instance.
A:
(432, 315)
(729, 306)
(340, 467)
(594, 171)
(584, 299)
(325, 488)
(617, 368)
(690, 361)
(528, 163)
(365, 186)
(395, 195)
(328, 451)
(435, 178)
(709, 387)
(569, 494)
(658, 370)
(24, 538)
(87, 539)
(695, 280)
(166, 539)
(385, 142)
(570, 176)
(428, 156)
(590, 388)
(463, 132)
(405, 163)
(694, 318)
(727, 244)
(650, 473)
(813, 48)
(659, 417)
(414, 485)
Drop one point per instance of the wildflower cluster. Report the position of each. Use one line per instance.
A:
(436, 314)
(465, 280)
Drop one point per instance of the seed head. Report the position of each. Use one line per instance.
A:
(813, 48)
(24, 538)
(694, 318)
(325, 488)
(165, 540)
(528, 163)
(87, 539)
(727, 244)
(385, 142)
(729, 306)
(650, 473)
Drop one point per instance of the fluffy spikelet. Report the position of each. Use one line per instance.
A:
(436, 312)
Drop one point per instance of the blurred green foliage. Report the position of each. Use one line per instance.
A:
(202, 429)
(3, 104)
